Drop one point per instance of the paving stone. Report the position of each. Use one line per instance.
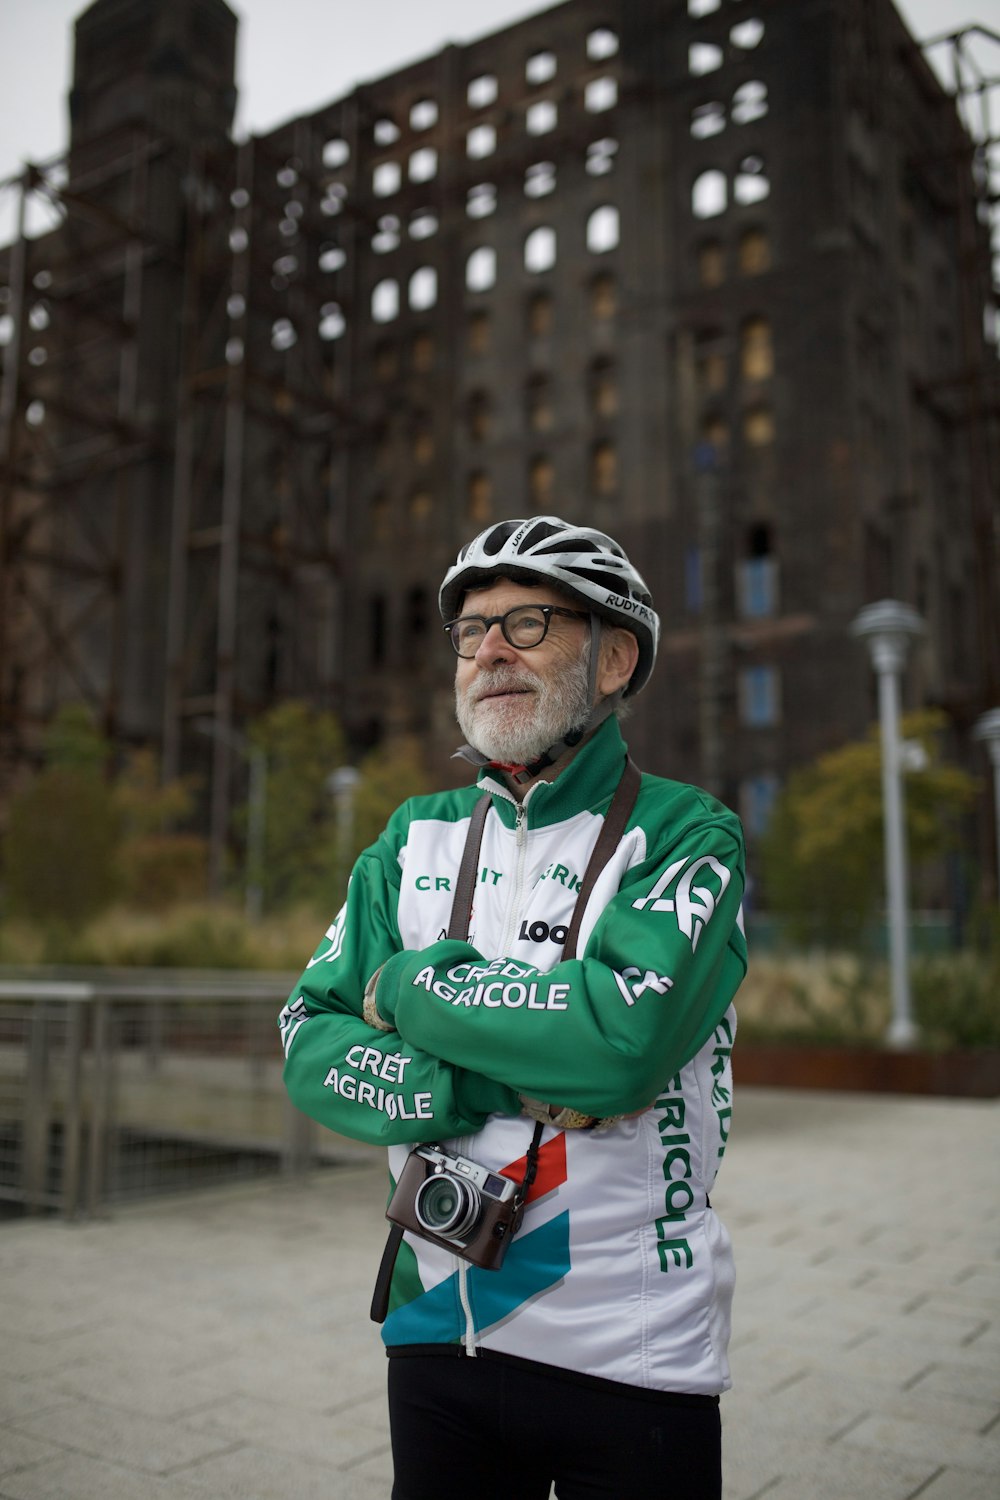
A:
(939, 1444)
(155, 1446)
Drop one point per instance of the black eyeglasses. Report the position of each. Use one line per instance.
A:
(524, 626)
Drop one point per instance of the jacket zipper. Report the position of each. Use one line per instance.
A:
(520, 860)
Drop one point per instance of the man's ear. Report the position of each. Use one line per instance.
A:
(618, 659)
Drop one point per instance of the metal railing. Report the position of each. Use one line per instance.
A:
(125, 1084)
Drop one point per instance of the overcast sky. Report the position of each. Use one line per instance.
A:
(295, 55)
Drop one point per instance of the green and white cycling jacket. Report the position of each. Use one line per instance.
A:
(621, 1268)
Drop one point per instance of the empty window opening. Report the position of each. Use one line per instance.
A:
(703, 57)
(540, 179)
(481, 91)
(747, 34)
(481, 200)
(540, 249)
(540, 67)
(386, 178)
(749, 102)
(481, 269)
(600, 94)
(385, 132)
(481, 141)
(601, 156)
(283, 334)
(423, 114)
(709, 195)
(708, 119)
(335, 153)
(603, 389)
(423, 224)
(601, 43)
(423, 288)
(698, 8)
(423, 164)
(386, 236)
(423, 443)
(331, 258)
(751, 184)
(603, 229)
(331, 321)
(385, 301)
(542, 117)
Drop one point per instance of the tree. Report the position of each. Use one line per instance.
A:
(64, 829)
(822, 857)
(303, 746)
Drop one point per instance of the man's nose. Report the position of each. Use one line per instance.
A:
(494, 647)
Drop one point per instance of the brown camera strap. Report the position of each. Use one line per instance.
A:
(612, 829)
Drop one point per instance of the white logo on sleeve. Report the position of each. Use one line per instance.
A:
(335, 937)
(693, 905)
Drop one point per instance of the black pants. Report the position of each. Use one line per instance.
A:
(500, 1431)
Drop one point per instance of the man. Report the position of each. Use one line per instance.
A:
(593, 1357)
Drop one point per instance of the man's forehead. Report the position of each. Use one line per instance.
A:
(509, 592)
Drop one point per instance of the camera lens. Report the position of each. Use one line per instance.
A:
(446, 1206)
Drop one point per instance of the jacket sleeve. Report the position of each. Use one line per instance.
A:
(363, 1083)
(603, 1032)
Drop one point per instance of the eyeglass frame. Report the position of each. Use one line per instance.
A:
(547, 610)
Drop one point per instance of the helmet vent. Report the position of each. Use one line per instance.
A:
(494, 543)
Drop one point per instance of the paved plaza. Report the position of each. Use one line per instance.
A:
(218, 1344)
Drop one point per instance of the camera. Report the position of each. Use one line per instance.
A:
(456, 1203)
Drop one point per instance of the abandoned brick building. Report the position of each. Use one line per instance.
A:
(711, 274)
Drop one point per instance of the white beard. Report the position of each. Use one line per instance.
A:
(518, 730)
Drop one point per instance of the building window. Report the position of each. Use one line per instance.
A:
(423, 224)
(481, 200)
(481, 91)
(423, 164)
(703, 57)
(479, 331)
(693, 580)
(540, 67)
(385, 301)
(542, 117)
(479, 413)
(757, 577)
(603, 297)
(711, 263)
(422, 353)
(601, 156)
(758, 426)
(417, 611)
(540, 179)
(603, 389)
(759, 697)
(423, 288)
(749, 102)
(747, 34)
(542, 482)
(540, 313)
(600, 94)
(751, 184)
(386, 236)
(332, 324)
(481, 269)
(708, 119)
(385, 132)
(540, 249)
(601, 44)
(479, 497)
(423, 114)
(754, 252)
(702, 7)
(421, 506)
(336, 153)
(481, 141)
(604, 469)
(709, 195)
(386, 178)
(423, 442)
(603, 229)
(538, 404)
(756, 350)
(386, 361)
(758, 794)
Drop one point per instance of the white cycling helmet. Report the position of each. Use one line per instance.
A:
(578, 560)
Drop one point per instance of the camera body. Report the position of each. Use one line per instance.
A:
(457, 1204)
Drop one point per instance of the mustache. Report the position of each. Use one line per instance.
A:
(502, 680)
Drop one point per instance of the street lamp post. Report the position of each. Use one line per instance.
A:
(987, 729)
(888, 628)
